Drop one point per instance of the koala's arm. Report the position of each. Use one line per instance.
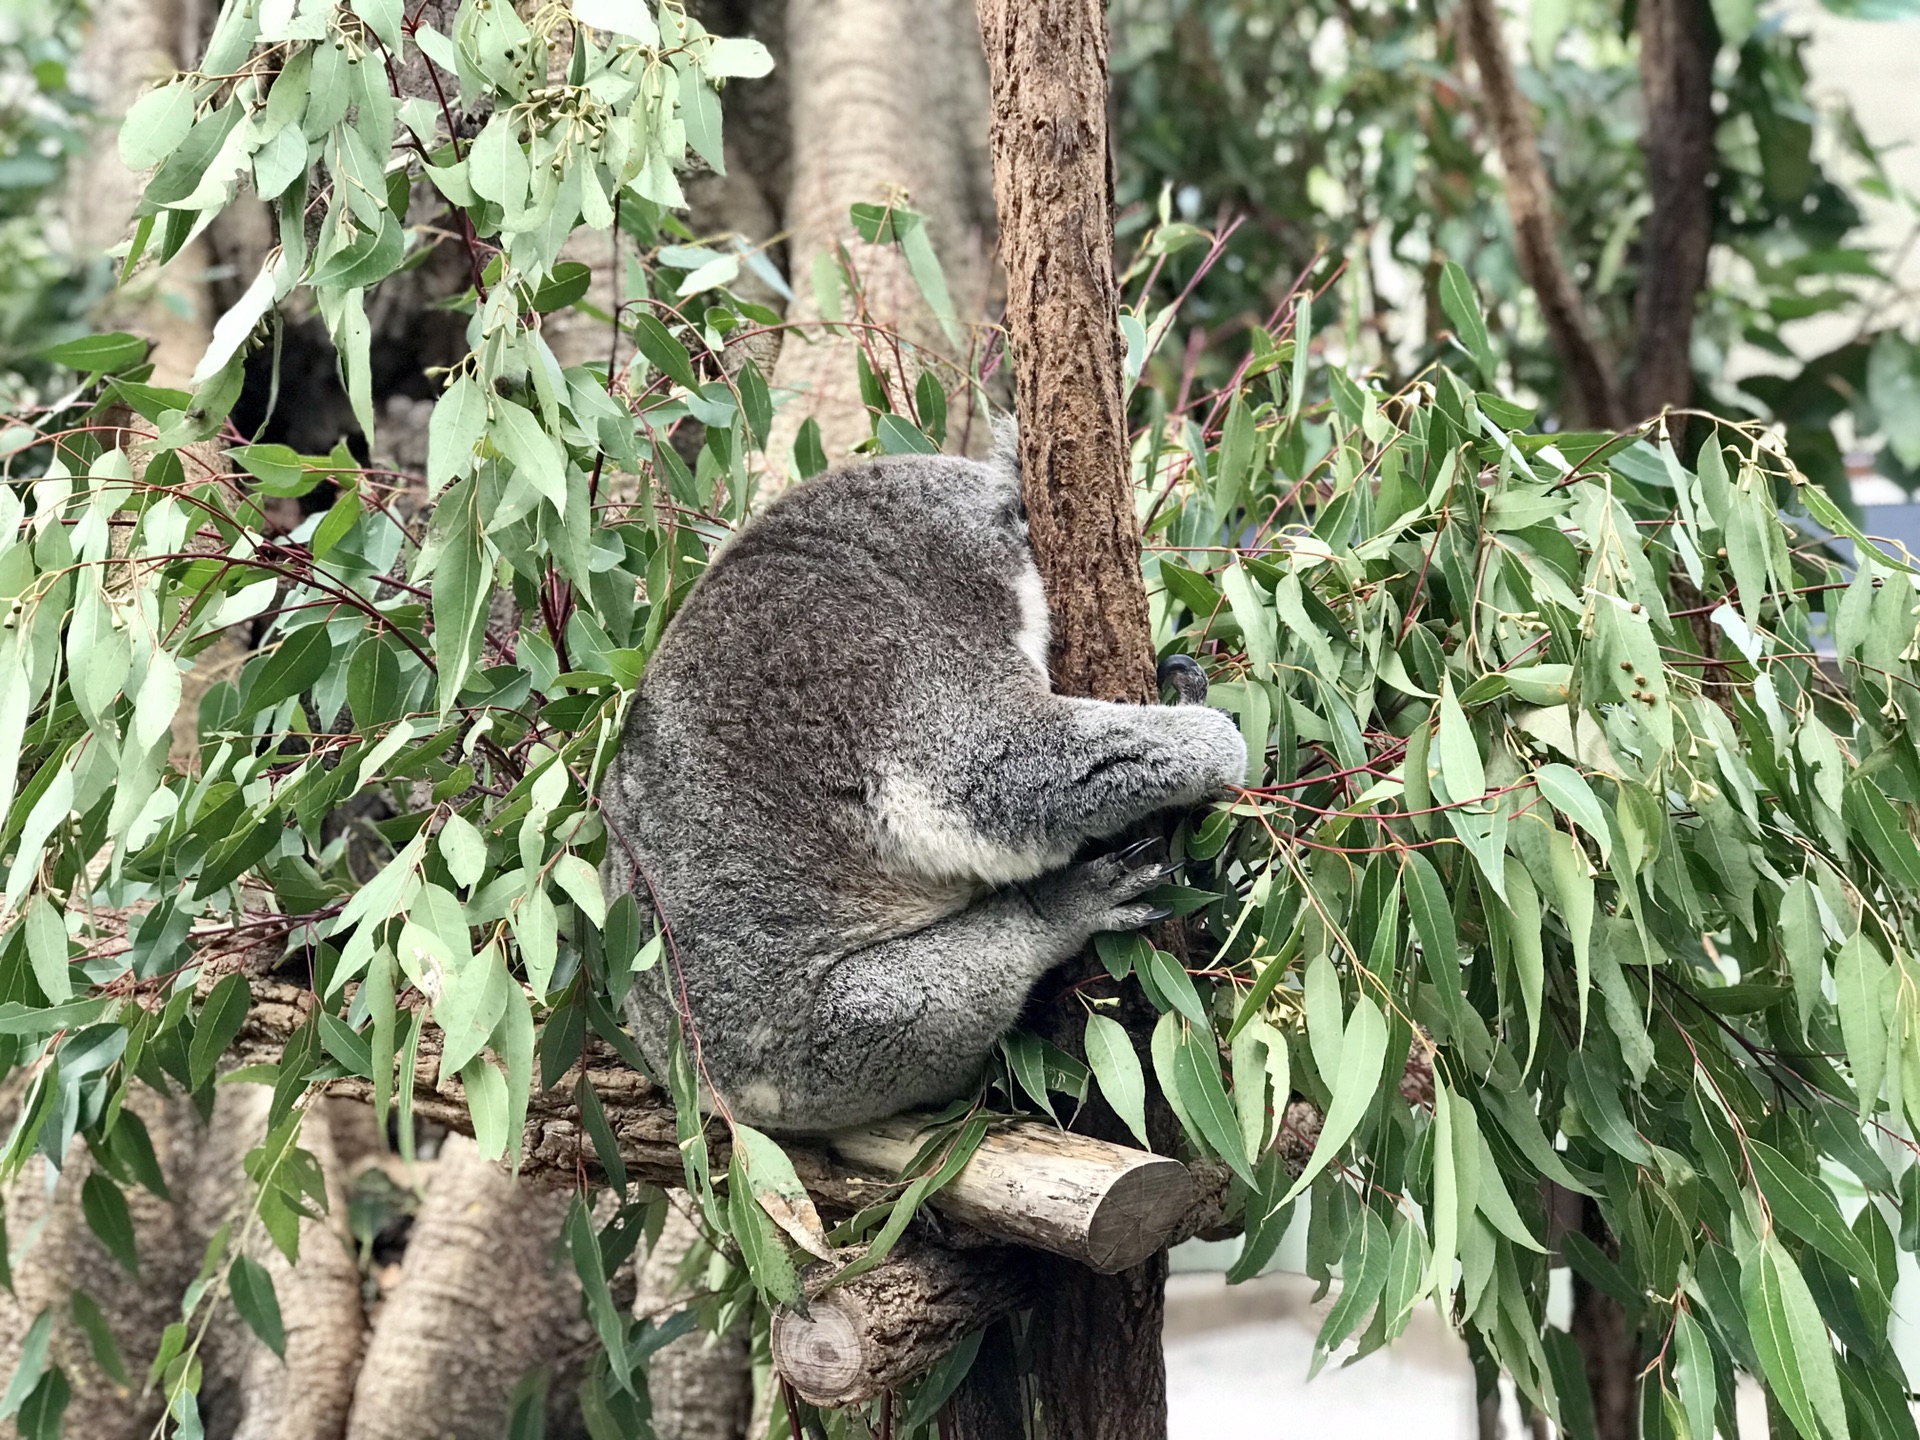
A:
(910, 1021)
(1070, 770)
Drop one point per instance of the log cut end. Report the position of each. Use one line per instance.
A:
(825, 1353)
(1137, 1213)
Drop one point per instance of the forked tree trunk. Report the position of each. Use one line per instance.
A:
(1593, 396)
(1677, 48)
(1099, 1372)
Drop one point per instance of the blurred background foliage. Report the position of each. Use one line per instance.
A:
(46, 289)
(1350, 129)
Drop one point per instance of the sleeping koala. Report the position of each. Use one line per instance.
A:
(850, 791)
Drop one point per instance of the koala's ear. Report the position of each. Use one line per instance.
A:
(1006, 447)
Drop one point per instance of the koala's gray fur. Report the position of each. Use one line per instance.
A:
(856, 797)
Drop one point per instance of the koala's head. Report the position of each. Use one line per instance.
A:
(952, 522)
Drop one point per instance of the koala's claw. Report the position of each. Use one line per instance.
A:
(1153, 913)
(1138, 848)
(1184, 676)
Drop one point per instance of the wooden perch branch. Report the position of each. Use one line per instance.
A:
(1101, 1204)
(891, 1324)
(1105, 1205)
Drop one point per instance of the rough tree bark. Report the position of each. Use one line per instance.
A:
(1594, 397)
(1677, 47)
(1099, 1370)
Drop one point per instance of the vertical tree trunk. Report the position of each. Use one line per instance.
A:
(886, 100)
(1048, 65)
(1593, 396)
(1099, 1371)
(1677, 47)
(481, 1301)
(701, 1385)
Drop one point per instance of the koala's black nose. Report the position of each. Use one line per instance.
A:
(1183, 675)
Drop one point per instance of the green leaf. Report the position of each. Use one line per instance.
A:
(1363, 1278)
(47, 949)
(1885, 831)
(300, 661)
(253, 1296)
(1805, 945)
(593, 1119)
(98, 354)
(1568, 792)
(566, 283)
(106, 1350)
(31, 1365)
(1859, 977)
(1790, 1339)
(1363, 1050)
(1463, 309)
(464, 849)
(767, 1260)
(779, 1192)
(534, 453)
(1433, 923)
(105, 1207)
(1196, 1070)
(220, 1020)
(156, 123)
(459, 421)
(1693, 1375)
(1172, 982)
(584, 1247)
(1806, 1209)
(1460, 764)
(1116, 1066)
(663, 351)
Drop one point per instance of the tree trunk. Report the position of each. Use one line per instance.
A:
(701, 1385)
(481, 1301)
(249, 1393)
(1594, 398)
(130, 45)
(1607, 1347)
(887, 103)
(1677, 47)
(1048, 65)
(1099, 1371)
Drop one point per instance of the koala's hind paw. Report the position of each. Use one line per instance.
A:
(1107, 892)
(1183, 675)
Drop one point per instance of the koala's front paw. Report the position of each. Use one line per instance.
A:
(1216, 747)
(1104, 894)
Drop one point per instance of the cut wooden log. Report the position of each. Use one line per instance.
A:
(890, 1325)
(1105, 1205)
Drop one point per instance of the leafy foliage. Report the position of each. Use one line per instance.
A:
(1583, 777)
(1354, 130)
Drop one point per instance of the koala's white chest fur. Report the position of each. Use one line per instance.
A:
(1034, 635)
(918, 836)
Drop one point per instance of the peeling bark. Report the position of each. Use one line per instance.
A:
(1594, 397)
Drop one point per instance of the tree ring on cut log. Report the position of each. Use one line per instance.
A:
(1134, 1217)
(824, 1352)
